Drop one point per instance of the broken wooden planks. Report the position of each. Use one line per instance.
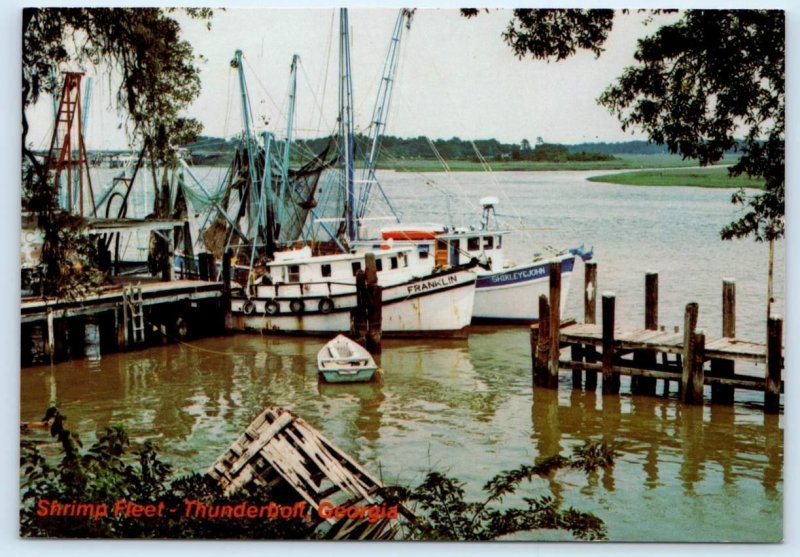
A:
(280, 448)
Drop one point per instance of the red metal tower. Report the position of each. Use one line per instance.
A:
(67, 149)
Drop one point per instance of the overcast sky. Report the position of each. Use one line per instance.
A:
(457, 77)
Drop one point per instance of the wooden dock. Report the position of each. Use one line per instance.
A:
(128, 313)
(109, 298)
(653, 353)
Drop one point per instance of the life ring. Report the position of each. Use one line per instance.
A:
(271, 307)
(249, 307)
(297, 306)
(325, 305)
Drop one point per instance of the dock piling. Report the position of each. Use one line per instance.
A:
(772, 387)
(723, 394)
(647, 358)
(374, 299)
(689, 345)
(590, 317)
(610, 377)
(359, 320)
(555, 322)
(541, 354)
(50, 347)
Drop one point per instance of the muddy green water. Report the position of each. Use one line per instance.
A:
(710, 473)
(466, 407)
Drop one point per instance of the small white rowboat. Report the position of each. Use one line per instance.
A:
(344, 361)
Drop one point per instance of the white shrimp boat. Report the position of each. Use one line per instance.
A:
(343, 360)
(505, 291)
(315, 295)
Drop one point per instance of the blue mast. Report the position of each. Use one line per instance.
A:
(380, 114)
(347, 147)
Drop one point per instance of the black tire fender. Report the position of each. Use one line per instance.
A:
(249, 307)
(297, 306)
(326, 305)
(271, 307)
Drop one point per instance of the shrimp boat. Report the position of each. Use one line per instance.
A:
(310, 294)
(345, 361)
(505, 291)
(267, 210)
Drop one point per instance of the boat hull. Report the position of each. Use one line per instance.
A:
(439, 305)
(512, 295)
(338, 376)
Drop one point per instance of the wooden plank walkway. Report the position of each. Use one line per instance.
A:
(723, 348)
(107, 298)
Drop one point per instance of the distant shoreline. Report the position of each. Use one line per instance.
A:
(709, 177)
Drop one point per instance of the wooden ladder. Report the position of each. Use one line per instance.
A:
(133, 310)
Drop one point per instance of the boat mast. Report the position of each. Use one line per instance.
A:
(287, 147)
(346, 123)
(250, 145)
(380, 114)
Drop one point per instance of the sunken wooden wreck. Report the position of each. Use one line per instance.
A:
(282, 451)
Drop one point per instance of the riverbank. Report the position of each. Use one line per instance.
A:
(620, 162)
(713, 177)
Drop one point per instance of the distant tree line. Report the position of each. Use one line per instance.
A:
(212, 150)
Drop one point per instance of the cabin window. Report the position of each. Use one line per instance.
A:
(488, 242)
(326, 270)
(424, 252)
(356, 267)
(473, 244)
(294, 273)
(393, 262)
(499, 242)
(378, 264)
(405, 260)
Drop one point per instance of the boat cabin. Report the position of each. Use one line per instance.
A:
(301, 267)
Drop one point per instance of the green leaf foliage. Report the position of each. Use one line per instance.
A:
(113, 468)
(699, 84)
(710, 83)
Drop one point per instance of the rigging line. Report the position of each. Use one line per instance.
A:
(318, 104)
(327, 67)
(254, 73)
(226, 121)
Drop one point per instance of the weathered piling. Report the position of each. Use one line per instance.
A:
(226, 279)
(541, 348)
(205, 261)
(723, 394)
(555, 322)
(647, 358)
(590, 316)
(610, 376)
(359, 324)
(590, 293)
(772, 386)
(689, 353)
(50, 347)
(374, 299)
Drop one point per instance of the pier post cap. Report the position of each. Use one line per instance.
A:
(776, 317)
(728, 280)
(609, 294)
(651, 272)
(700, 332)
